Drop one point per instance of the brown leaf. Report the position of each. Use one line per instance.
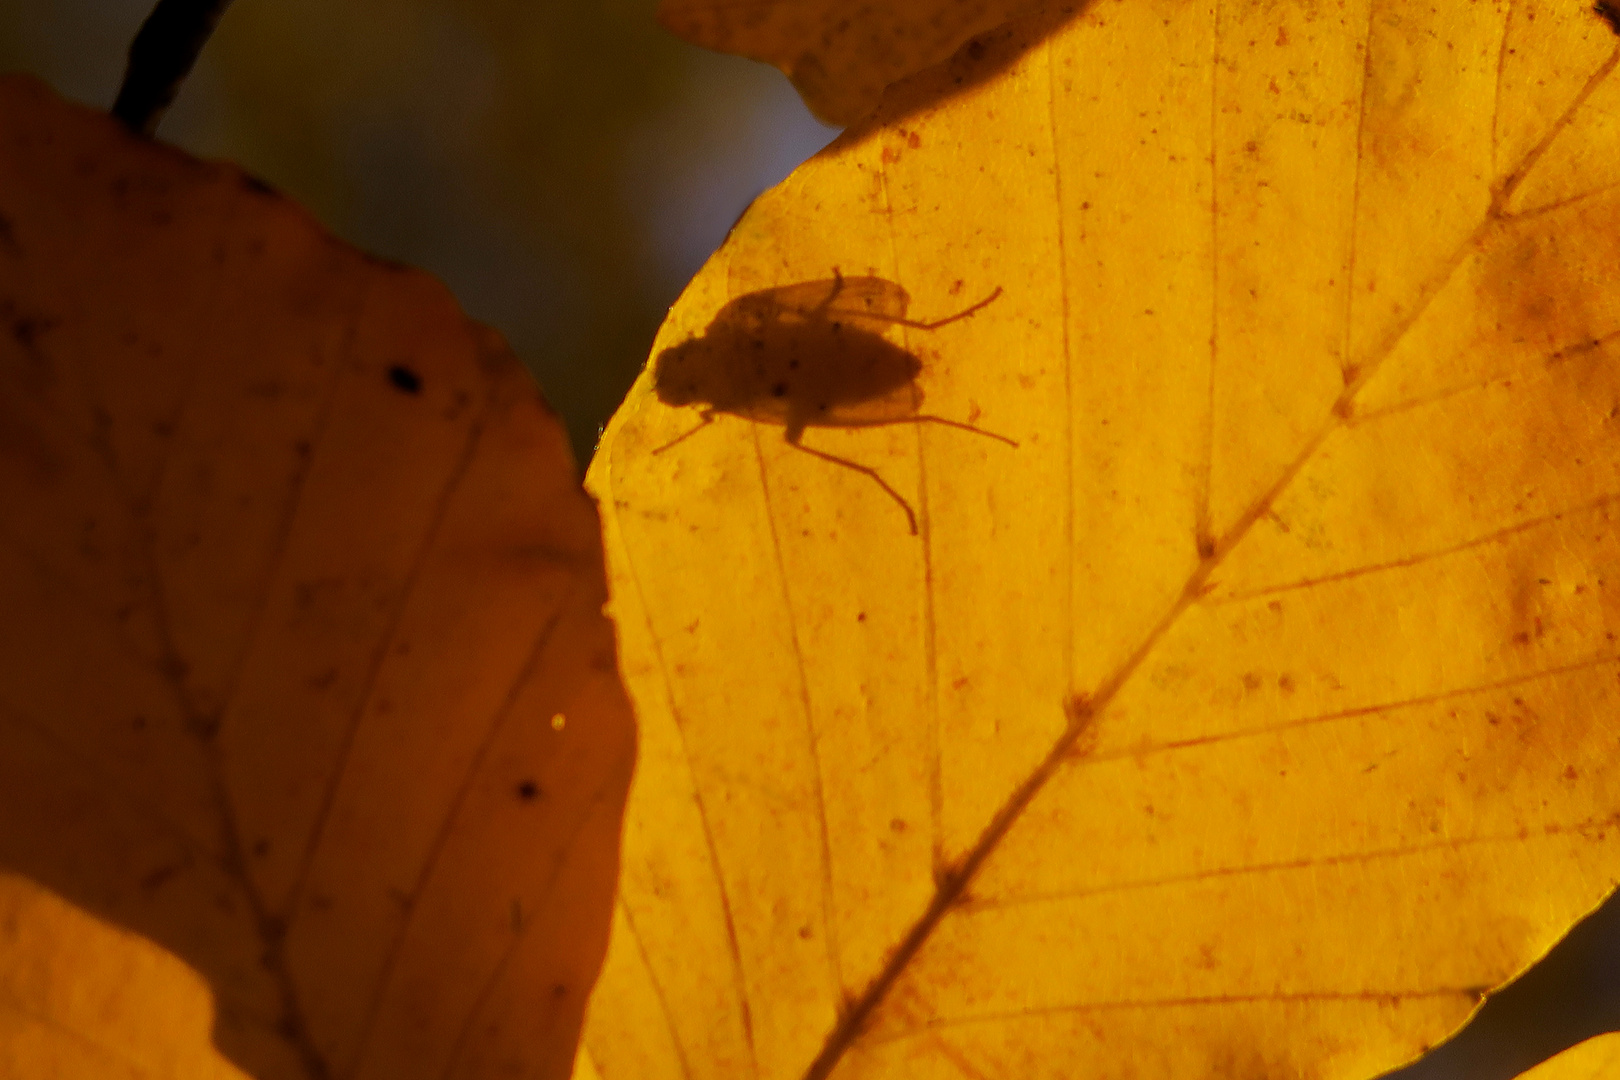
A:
(303, 670)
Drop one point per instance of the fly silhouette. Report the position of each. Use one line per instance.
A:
(811, 354)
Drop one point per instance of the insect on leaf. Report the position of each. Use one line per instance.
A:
(1254, 716)
(810, 354)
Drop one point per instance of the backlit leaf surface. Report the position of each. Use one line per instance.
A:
(1595, 1059)
(840, 54)
(1253, 715)
(303, 671)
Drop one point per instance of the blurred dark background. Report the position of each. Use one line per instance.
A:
(565, 167)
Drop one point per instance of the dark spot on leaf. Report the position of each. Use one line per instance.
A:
(528, 791)
(261, 847)
(975, 50)
(559, 990)
(256, 185)
(26, 329)
(404, 379)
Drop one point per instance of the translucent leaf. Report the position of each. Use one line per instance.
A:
(1243, 705)
(303, 672)
(1595, 1059)
(840, 54)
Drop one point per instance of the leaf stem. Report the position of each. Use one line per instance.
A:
(160, 58)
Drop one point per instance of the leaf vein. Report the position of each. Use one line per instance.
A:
(828, 921)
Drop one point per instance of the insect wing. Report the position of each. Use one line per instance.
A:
(870, 302)
(880, 298)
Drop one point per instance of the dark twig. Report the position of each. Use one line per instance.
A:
(160, 58)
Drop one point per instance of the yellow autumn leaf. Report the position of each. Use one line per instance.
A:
(304, 678)
(1597, 1058)
(1253, 714)
(840, 54)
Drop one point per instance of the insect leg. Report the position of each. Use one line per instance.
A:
(911, 518)
(925, 418)
(937, 323)
(838, 287)
(708, 418)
